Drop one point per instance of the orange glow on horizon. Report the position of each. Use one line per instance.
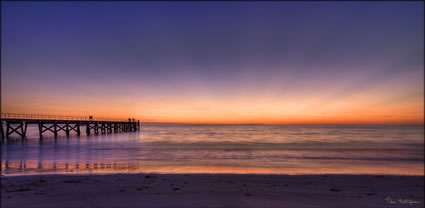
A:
(277, 112)
(389, 103)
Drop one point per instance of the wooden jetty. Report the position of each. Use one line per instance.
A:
(16, 124)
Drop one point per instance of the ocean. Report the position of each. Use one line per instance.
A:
(238, 149)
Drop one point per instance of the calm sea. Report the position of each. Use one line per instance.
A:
(257, 149)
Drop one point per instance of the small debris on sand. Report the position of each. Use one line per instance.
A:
(334, 189)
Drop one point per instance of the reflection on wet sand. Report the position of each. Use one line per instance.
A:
(103, 167)
(36, 167)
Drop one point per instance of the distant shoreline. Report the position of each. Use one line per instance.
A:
(264, 124)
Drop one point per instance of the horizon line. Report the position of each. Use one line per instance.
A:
(287, 124)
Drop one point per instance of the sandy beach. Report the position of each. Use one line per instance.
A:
(211, 190)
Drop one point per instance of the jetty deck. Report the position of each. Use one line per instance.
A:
(17, 124)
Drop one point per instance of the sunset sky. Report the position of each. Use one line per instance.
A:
(216, 62)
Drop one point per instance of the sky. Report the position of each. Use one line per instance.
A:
(216, 62)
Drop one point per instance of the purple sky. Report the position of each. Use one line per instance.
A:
(212, 62)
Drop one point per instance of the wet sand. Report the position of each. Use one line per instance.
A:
(211, 190)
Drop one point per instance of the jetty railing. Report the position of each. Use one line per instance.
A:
(56, 117)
